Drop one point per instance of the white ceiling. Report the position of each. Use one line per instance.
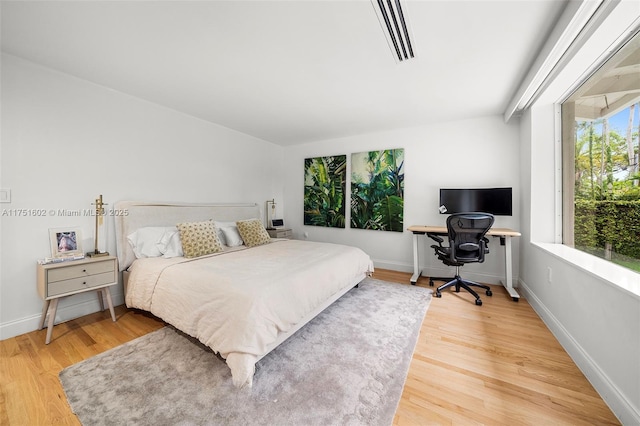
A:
(290, 72)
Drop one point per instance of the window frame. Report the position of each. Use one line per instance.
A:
(564, 135)
(542, 128)
(568, 128)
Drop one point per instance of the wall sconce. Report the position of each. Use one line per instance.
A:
(99, 221)
(270, 211)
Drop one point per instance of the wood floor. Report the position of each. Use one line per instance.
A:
(495, 364)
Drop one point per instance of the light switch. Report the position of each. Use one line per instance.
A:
(5, 195)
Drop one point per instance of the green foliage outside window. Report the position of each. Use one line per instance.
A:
(600, 224)
(607, 192)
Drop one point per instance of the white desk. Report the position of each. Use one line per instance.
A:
(505, 235)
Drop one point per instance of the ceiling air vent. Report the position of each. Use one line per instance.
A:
(395, 27)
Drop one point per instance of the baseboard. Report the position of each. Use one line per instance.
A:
(393, 266)
(64, 313)
(441, 272)
(621, 406)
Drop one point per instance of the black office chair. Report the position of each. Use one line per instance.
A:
(467, 244)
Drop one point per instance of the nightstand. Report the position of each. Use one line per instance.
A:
(280, 233)
(58, 280)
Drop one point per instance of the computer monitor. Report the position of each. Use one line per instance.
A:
(497, 201)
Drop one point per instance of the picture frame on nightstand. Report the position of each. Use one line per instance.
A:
(65, 242)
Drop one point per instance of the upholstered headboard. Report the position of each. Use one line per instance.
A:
(133, 215)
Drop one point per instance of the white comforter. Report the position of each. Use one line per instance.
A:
(236, 302)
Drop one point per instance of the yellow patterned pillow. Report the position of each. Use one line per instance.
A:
(252, 232)
(199, 238)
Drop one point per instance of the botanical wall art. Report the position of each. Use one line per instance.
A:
(377, 190)
(324, 191)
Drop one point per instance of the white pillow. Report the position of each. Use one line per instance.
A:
(219, 225)
(170, 244)
(155, 241)
(232, 236)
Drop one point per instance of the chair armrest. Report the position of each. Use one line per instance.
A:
(485, 240)
(441, 251)
(436, 238)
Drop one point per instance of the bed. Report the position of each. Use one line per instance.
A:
(241, 301)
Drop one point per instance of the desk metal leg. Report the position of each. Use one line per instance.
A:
(508, 279)
(416, 262)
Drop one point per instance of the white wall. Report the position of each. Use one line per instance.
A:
(595, 320)
(482, 152)
(586, 303)
(65, 141)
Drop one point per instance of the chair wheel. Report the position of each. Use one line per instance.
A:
(489, 293)
(438, 294)
(478, 302)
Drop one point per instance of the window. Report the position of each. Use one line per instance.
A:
(601, 176)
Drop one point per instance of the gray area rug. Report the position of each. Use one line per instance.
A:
(346, 367)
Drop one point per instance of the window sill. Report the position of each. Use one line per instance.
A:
(615, 275)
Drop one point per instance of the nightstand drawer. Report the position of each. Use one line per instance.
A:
(79, 284)
(79, 271)
(280, 233)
